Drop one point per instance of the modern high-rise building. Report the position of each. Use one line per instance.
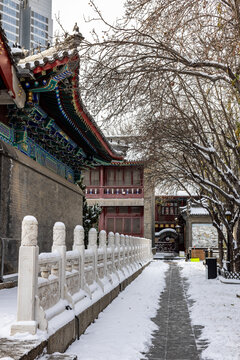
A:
(10, 19)
(36, 23)
(27, 22)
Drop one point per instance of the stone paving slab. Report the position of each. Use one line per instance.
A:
(175, 338)
(8, 284)
(58, 356)
(19, 349)
(29, 350)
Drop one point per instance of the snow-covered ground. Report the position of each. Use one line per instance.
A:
(8, 315)
(217, 308)
(123, 330)
(8, 310)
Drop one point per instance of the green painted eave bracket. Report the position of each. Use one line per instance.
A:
(52, 84)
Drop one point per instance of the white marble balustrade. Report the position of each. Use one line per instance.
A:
(51, 284)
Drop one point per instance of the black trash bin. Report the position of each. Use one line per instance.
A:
(211, 267)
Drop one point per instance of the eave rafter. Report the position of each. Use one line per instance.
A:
(70, 106)
(43, 130)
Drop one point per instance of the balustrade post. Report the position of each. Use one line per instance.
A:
(103, 246)
(111, 242)
(92, 244)
(123, 249)
(147, 250)
(146, 253)
(137, 250)
(117, 248)
(139, 244)
(134, 251)
(78, 244)
(131, 252)
(134, 262)
(59, 245)
(27, 278)
(150, 254)
(127, 251)
(142, 249)
(111, 245)
(138, 258)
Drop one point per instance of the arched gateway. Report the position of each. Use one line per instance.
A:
(167, 240)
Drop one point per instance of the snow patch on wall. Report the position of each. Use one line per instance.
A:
(204, 236)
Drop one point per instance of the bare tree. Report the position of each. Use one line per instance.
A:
(191, 141)
(171, 67)
(156, 40)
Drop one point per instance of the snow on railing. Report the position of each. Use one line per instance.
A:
(51, 284)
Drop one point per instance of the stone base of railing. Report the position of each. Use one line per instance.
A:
(24, 326)
(60, 340)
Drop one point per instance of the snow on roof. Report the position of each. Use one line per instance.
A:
(66, 48)
(46, 56)
(172, 191)
(182, 193)
(165, 231)
(198, 211)
(194, 210)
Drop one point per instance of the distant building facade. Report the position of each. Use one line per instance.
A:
(127, 201)
(169, 224)
(27, 22)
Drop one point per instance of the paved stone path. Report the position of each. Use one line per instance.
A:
(175, 339)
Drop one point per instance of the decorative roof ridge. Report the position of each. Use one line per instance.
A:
(67, 48)
(33, 61)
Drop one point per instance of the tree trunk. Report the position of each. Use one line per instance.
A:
(230, 250)
(220, 247)
(237, 250)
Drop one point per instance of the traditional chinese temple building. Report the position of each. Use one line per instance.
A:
(47, 137)
(127, 202)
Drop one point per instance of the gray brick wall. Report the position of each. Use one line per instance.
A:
(27, 188)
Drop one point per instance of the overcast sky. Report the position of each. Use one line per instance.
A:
(72, 11)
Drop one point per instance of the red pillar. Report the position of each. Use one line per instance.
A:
(101, 193)
(101, 224)
(101, 176)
